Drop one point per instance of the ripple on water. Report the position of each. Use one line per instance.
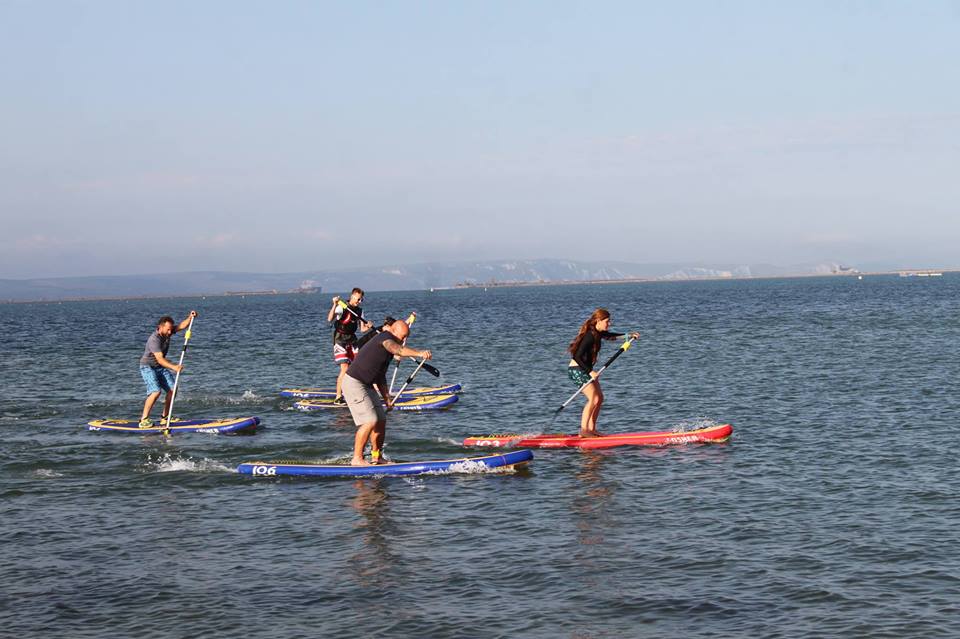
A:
(831, 512)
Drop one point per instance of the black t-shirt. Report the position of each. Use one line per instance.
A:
(372, 360)
(585, 357)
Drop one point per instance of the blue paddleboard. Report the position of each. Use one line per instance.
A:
(461, 465)
(410, 393)
(421, 402)
(229, 425)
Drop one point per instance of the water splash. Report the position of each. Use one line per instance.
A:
(167, 463)
(46, 473)
(695, 423)
(471, 467)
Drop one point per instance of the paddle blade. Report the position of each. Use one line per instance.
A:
(432, 370)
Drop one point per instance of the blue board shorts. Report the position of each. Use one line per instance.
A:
(578, 376)
(157, 378)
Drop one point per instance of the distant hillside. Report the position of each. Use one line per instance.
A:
(385, 278)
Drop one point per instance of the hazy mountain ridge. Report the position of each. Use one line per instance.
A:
(384, 278)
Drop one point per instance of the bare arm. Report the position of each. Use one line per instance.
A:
(165, 363)
(186, 322)
(333, 309)
(398, 350)
(381, 383)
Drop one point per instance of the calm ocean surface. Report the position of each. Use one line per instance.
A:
(833, 510)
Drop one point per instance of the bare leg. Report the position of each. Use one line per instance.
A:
(359, 443)
(591, 392)
(148, 405)
(592, 426)
(343, 371)
(376, 439)
(167, 402)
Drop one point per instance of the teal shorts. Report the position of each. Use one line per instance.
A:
(157, 379)
(578, 376)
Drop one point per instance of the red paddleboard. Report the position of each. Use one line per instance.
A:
(718, 433)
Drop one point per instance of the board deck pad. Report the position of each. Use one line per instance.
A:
(460, 465)
(718, 433)
(323, 393)
(220, 425)
(422, 402)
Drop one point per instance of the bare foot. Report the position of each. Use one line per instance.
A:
(359, 461)
(589, 433)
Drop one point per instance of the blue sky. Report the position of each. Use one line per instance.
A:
(153, 137)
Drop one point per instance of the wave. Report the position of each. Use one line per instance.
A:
(46, 473)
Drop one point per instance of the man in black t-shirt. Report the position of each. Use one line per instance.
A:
(369, 369)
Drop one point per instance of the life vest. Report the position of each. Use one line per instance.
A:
(348, 323)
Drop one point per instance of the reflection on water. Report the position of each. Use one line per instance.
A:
(375, 528)
(590, 505)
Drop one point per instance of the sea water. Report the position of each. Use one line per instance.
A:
(832, 511)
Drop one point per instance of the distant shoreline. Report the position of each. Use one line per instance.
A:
(122, 298)
(506, 284)
(705, 278)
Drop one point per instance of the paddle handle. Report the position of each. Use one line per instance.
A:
(176, 381)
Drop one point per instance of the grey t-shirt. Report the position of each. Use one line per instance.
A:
(155, 343)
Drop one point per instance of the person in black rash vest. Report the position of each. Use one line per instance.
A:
(584, 348)
(369, 369)
(373, 332)
(346, 321)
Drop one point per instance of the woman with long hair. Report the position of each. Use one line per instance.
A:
(584, 349)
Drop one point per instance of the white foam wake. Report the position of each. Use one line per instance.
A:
(470, 467)
(695, 423)
(167, 464)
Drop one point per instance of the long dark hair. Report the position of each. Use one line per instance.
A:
(589, 325)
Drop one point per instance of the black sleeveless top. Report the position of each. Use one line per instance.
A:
(372, 360)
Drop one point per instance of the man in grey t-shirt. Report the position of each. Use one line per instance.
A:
(157, 372)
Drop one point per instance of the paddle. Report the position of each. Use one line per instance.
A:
(620, 351)
(409, 379)
(410, 320)
(176, 381)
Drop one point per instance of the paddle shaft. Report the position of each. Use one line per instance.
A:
(176, 381)
(396, 369)
(409, 379)
(620, 351)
